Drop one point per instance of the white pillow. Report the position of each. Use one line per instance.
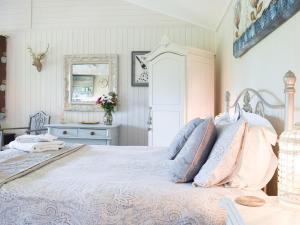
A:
(257, 120)
(221, 162)
(257, 162)
(226, 118)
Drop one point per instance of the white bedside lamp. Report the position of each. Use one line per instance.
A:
(289, 153)
(289, 167)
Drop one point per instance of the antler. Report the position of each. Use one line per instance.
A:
(43, 55)
(31, 52)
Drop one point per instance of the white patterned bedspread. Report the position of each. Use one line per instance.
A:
(111, 186)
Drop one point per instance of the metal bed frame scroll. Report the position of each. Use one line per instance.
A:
(259, 108)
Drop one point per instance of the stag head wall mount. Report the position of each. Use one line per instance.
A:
(37, 59)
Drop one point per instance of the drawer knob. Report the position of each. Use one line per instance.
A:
(92, 133)
(65, 132)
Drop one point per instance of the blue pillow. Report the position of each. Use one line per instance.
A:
(182, 137)
(195, 152)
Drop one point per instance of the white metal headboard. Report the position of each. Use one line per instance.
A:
(289, 89)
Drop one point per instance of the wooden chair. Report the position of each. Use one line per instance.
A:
(36, 126)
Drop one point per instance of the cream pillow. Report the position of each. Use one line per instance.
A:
(257, 162)
(221, 162)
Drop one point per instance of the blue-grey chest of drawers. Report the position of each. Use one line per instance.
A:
(86, 134)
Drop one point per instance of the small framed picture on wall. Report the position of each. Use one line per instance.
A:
(139, 70)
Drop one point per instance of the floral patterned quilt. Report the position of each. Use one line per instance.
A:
(109, 185)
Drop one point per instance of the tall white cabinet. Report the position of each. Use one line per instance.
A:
(181, 87)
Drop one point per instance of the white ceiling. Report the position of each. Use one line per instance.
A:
(206, 13)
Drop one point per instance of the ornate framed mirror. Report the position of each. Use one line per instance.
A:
(87, 77)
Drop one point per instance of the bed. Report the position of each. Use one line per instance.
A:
(110, 185)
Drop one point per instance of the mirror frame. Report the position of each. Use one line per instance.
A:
(111, 59)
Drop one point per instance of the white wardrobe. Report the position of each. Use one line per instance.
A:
(181, 87)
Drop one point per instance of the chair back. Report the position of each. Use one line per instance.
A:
(38, 122)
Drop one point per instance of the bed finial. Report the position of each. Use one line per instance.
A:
(227, 101)
(289, 89)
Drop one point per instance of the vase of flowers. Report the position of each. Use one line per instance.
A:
(108, 104)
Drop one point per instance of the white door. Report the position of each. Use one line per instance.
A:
(166, 98)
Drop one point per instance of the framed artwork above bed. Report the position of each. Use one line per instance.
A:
(255, 19)
(139, 69)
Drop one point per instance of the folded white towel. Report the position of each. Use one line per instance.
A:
(37, 147)
(36, 138)
(46, 146)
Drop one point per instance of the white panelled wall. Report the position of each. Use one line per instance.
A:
(85, 27)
